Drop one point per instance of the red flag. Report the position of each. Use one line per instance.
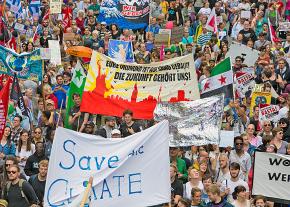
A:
(4, 100)
(273, 35)
(46, 16)
(67, 17)
(211, 23)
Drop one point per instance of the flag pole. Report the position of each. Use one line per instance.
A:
(86, 194)
(59, 113)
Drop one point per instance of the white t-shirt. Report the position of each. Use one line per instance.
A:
(228, 183)
(188, 187)
(24, 153)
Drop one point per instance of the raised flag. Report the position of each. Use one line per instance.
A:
(14, 6)
(115, 87)
(34, 8)
(220, 81)
(273, 34)
(16, 95)
(4, 100)
(121, 51)
(67, 15)
(211, 23)
(76, 86)
(25, 65)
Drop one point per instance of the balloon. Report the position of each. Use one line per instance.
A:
(79, 51)
(169, 25)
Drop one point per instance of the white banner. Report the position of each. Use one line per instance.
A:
(55, 56)
(272, 170)
(131, 172)
(268, 112)
(250, 55)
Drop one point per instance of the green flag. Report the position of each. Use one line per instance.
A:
(222, 67)
(76, 86)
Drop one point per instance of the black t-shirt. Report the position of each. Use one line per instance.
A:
(38, 187)
(172, 14)
(250, 34)
(78, 121)
(124, 129)
(176, 188)
(15, 198)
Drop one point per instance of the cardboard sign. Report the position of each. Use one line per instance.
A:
(68, 36)
(246, 14)
(55, 6)
(162, 39)
(176, 35)
(284, 26)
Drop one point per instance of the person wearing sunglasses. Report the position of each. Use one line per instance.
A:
(27, 197)
(238, 155)
(278, 140)
(284, 124)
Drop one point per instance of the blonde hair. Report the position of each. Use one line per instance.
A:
(43, 163)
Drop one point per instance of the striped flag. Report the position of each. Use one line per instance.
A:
(14, 6)
(34, 8)
(273, 34)
(220, 81)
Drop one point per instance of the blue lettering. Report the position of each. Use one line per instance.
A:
(105, 189)
(58, 181)
(73, 157)
(119, 183)
(113, 160)
(87, 159)
(99, 165)
(134, 181)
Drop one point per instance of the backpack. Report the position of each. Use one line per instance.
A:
(20, 184)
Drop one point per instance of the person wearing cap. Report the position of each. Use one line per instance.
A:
(89, 127)
(103, 30)
(106, 130)
(116, 133)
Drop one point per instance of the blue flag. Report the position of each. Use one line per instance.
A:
(34, 8)
(14, 6)
(25, 65)
(121, 51)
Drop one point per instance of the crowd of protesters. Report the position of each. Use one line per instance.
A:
(200, 175)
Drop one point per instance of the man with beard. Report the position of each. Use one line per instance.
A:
(223, 171)
(228, 185)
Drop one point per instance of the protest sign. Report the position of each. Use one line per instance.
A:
(68, 36)
(19, 27)
(55, 56)
(265, 87)
(271, 169)
(55, 6)
(127, 14)
(284, 26)
(26, 65)
(226, 138)
(244, 84)
(268, 112)
(121, 51)
(116, 86)
(250, 55)
(246, 14)
(162, 39)
(45, 53)
(192, 122)
(259, 98)
(120, 175)
(176, 35)
(219, 19)
(165, 31)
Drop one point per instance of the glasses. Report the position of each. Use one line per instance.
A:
(265, 125)
(37, 132)
(281, 122)
(250, 128)
(11, 172)
(7, 165)
(238, 60)
(239, 143)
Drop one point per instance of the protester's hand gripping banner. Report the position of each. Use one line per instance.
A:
(131, 172)
(192, 122)
(115, 86)
(271, 176)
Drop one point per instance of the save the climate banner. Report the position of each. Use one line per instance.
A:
(113, 87)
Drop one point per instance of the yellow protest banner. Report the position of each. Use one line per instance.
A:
(260, 98)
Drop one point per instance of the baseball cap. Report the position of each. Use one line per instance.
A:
(103, 23)
(116, 131)
(90, 123)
